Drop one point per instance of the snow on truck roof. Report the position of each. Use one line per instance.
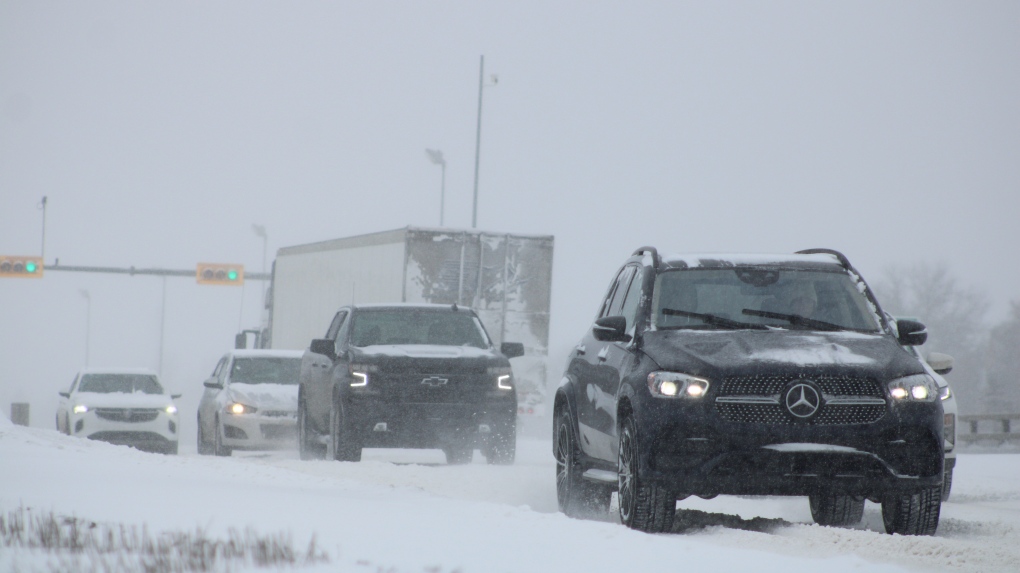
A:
(397, 236)
(266, 353)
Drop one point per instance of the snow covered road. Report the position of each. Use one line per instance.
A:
(406, 511)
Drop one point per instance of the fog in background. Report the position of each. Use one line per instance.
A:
(161, 132)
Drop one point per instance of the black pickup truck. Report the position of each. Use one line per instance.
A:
(408, 376)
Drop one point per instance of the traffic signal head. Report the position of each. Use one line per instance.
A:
(219, 274)
(24, 267)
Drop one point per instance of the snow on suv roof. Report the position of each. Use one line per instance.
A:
(713, 259)
(101, 370)
(266, 352)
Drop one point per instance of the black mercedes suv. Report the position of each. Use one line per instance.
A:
(748, 375)
(407, 376)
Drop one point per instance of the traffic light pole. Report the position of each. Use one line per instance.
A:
(154, 272)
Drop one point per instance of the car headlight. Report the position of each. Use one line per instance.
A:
(80, 409)
(239, 408)
(677, 385)
(945, 393)
(504, 377)
(916, 388)
(171, 409)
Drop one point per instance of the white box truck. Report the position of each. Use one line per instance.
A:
(505, 278)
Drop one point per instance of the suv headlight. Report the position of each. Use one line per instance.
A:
(945, 393)
(171, 409)
(676, 385)
(916, 388)
(504, 377)
(80, 409)
(239, 408)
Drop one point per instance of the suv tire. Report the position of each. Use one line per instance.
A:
(341, 445)
(308, 449)
(836, 510)
(912, 514)
(647, 507)
(575, 496)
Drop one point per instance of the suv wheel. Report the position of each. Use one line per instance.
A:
(575, 497)
(502, 446)
(912, 514)
(836, 510)
(203, 446)
(341, 445)
(307, 448)
(643, 506)
(218, 448)
(458, 454)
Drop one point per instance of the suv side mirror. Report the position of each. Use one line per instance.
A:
(611, 329)
(512, 349)
(323, 346)
(911, 332)
(210, 383)
(65, 394)
(175, 396)
(940, 363)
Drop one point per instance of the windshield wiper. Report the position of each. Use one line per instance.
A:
(714, 319)
(796, 319)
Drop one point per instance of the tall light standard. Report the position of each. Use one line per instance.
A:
(478, 137)
(436, 156)
(88, 321)
(260, 231)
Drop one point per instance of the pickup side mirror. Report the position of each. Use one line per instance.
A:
(65, 394)
(611, 329)
(175, 396)
(512, 349)
(940, 363)
(211, 383)
(323, 346)
(911, 332)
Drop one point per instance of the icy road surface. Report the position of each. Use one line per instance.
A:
(403, 511)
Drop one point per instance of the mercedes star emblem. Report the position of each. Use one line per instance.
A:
(803, 400)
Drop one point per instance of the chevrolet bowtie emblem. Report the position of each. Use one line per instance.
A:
(434, 381)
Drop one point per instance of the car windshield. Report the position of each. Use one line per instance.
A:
(266, 370)
(127, 383)
(443, 328)
(758, 297)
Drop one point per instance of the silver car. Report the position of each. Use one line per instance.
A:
(250, 402)
(120, 406)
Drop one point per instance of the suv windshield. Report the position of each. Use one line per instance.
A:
(265, 370)
(127, 383)
(760, 297)
(392, 326)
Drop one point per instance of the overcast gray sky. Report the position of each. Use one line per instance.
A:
(161, 131)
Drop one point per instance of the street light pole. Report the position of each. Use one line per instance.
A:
(478, 142)
(260, 231)
(436, 156)
(88, 321)
(42, 251)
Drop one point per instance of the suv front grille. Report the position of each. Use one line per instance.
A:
(133, 415)
(863, 401)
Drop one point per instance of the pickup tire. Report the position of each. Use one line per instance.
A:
(502, 446)
(342, 445)
(912, 514)
(458, 454)
(309, 447)
(648, 507)
(575, 496)
(836, 510)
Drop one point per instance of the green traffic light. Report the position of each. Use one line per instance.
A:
(232, 275)
(30, 267)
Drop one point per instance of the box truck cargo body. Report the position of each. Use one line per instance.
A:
(505, 278)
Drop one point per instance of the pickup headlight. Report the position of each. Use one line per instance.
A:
(80, 409)
(945, 393)
(504, 377)
(359, 374)
(239, 408)
(916, 388)
(676, 385)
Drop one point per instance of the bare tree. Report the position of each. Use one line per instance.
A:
(954, 314)
(1003, 362)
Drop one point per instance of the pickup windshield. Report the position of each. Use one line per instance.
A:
(404, 326)
(758, 297)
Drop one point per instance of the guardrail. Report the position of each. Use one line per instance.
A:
(990, 427)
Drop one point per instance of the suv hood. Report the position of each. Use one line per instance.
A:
(266, 396)
(123, 400)
(714, 353)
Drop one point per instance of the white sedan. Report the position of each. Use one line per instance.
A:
(250, 402)
(120, 406)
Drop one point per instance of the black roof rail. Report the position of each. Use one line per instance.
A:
(842, 258)
(652, 251)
